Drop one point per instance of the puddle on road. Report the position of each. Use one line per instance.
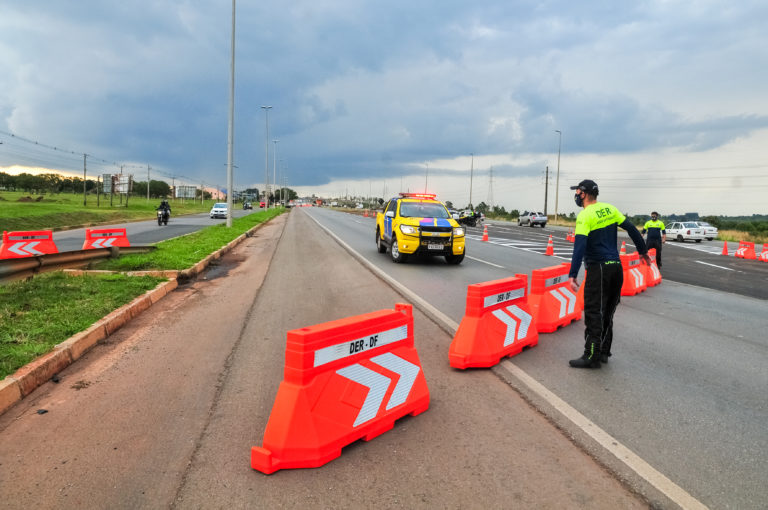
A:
(221, 267)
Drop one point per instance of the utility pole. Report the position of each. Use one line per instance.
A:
(426, 179)
(266, 159)
(84, 157)
(557, 181)
(490, 191)
(231, 130)
(274, 163)
(148, 183)
(471, 174)
(546, 189)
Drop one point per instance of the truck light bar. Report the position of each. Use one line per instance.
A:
(431, 196)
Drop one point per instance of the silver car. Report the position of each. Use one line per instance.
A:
(685, 230)
(532, 218)
(710, 231)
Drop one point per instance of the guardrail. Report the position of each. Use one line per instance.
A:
(18, 269)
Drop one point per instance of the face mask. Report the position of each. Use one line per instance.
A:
(654, 218)
(579, 199)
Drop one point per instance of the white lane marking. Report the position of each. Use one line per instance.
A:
(621, 452)
(625, 455)
(714, 265)
(485, 262)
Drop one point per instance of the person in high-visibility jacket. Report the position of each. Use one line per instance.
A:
(657, 235)
(595, 243)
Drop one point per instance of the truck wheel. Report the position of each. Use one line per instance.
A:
(379, 245)
(454, 260)
(394, 250)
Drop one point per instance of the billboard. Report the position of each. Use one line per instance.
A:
(106, 183)
(123, 183)
(185, 191)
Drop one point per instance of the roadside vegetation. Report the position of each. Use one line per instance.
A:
(39, 313)
(186, 251)
(61, 211)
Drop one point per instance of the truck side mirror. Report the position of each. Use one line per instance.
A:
(390, 214)
(455, 216)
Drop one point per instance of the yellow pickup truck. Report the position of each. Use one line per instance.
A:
(419, 223)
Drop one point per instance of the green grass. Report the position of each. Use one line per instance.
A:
(22, 211)
(184, 252)
(39, 313)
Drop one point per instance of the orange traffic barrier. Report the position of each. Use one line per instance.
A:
(485, 232)
(763, 254)
(497, 323)
(343, 380)
(552, 301)
(623, 248)
(105, 237)
(725, 248)
(550, 247)
(746, 250)
(27, 244)
(652, 273)
(634, 275)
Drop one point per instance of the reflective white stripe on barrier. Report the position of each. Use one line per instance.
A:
(103, 243)
(555, 280)
(567, 300)
(407, 371)
(495, 299)
(342, 350)
(638, 276)
(513, 331)
(378, 385)
(26, 248)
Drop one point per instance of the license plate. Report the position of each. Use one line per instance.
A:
(434, 246)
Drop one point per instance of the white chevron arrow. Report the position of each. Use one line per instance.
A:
(638, 276)
(513, 331)
(407, 372)
(377, 385)
(103, 243)
(19, 248)
(567, 300)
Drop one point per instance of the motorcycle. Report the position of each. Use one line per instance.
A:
(162, 216)
(469, 220)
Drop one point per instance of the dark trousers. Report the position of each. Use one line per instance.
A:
(655, 243)
(602, 293)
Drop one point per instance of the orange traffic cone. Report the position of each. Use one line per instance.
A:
(623, 248)
(550, 247)
(485, 232)
(725, 248)
(366, 213)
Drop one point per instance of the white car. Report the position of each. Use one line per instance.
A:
(710, 232)
(532, 218)
(685, 230)
(219, 210)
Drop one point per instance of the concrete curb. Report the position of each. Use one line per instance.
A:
(34, 374)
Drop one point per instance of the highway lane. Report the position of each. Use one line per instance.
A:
(145, 232)
(686, 387)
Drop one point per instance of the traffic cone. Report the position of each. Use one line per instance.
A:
(725, 248)
(485, 232)
(550, 247)
(623, 248)
(366, 213)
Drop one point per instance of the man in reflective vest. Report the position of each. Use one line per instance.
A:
(595, 243)
(657, 235)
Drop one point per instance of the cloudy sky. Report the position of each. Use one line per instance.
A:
(662, 102)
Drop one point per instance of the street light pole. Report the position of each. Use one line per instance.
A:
(557, 181)
(231, 134)
(274, 163)
(266, 159)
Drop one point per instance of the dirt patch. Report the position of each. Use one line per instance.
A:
(24, 199)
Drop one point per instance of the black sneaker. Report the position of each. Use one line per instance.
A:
(604, 358)
(585, 362)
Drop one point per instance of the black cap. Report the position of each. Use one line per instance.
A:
(587, 186)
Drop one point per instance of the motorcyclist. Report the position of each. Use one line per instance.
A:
(165, 207)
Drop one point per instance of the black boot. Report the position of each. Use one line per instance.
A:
(604, 357)
(590, 358)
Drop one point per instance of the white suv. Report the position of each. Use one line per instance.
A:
(685, 230)
(219, 210)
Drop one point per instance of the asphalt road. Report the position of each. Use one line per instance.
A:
(146, 232)
(165, 413)
(686, 387)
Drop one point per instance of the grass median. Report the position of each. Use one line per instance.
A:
(39, 313)
(186, 251)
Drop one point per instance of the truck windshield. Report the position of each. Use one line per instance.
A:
(422, 210)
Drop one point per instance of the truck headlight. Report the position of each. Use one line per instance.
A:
(458, 231)
(407, 229)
